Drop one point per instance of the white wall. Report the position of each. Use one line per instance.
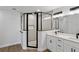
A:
(9, 28)
(24, 40)
(65, 9)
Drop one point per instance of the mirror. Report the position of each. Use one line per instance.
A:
(68, 24)
(46, 22)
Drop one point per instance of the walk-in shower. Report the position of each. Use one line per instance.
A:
(34, 22)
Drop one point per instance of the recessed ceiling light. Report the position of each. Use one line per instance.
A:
(38, 10)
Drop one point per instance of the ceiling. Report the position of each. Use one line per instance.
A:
(25, 9)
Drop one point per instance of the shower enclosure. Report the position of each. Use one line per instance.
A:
(34, 22)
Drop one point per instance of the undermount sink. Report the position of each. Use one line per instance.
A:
(68, 36)
(73, 38)
(63, 35)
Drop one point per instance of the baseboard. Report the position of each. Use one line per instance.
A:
(2, 46)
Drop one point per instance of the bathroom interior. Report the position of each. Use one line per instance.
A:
(53, 30)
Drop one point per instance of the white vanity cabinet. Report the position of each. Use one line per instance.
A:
(54, 44)
(51, 43)
(70, 46)
(76, 49)
(58, 44)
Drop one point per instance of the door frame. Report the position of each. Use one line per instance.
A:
(36, 30)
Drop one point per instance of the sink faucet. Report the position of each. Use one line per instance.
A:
(55, 32)
(77, 35)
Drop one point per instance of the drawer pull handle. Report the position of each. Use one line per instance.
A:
(71, 49)
(50, 41)
(59, 40)
(74, 50)
(59, 45)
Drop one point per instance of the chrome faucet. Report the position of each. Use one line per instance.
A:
(77, 35)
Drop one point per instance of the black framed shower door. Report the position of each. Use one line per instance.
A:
(36, 29)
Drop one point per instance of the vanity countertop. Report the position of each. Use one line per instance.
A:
(65, 36)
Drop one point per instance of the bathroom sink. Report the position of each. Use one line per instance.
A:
(73, 38)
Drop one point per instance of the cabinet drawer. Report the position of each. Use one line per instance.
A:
(60, 42)
(60, 45)
(71, 43)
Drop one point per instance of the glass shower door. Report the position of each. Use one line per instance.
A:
(31, 30)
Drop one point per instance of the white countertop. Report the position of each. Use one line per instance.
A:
(65, 36)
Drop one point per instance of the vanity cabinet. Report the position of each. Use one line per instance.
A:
(57, 44)
(54, 44)
(76, 49)
(70, 46)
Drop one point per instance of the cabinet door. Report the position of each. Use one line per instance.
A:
(54, 43)
(76, 50)
(68, 48)
(51, 43)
